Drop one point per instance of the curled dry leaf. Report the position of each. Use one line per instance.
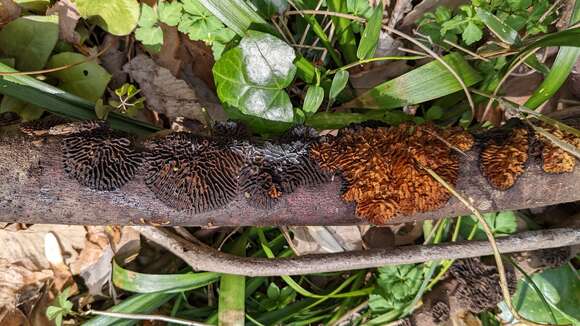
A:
(168, 95)
(326, 239)
(68, 16)
(8, 11)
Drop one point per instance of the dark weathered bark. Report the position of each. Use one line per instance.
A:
(34, 189)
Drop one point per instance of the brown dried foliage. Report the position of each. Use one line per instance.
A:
(382, 168)
(555, 159)
(503, 160)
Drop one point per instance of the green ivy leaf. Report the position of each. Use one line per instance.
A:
(313, 99)
(561, 289)
(118, 17)
(252, 77)
(472, 33)
(29, 40)
(170, 12)
(87, 80)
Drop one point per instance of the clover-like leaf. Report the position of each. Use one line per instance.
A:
(252, 77)
(169, 12)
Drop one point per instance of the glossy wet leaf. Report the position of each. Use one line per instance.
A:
(252, 77)
(561, 289)
(87, 80)
(339, 82)
(370, 36)
(118, 17)
(29, 40)
(313, 99)
(503, 31)
(422, 84)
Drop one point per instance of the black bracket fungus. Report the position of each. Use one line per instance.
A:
(192, 173)
(96, 157)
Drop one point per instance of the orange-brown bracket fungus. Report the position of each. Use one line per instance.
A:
(192, 173)
(555, 159)
(504, 156)
(99, 159)
(383, 170)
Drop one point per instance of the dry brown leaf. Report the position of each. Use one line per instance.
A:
(113, 60)
(19, 285)
(27, 246)
(168, 95)
(326, 239)
(68, 16)
(168, 55)
(8, 11)
(399, 10)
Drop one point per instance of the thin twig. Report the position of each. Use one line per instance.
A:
(324, 13)
(145, 317)
(208, 259)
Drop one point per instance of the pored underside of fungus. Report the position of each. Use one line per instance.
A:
(383, 170)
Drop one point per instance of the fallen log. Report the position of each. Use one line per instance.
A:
(35, 189)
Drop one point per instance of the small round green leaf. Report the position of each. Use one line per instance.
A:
(338, 83)
(313, 99)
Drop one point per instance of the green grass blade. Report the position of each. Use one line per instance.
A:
(563, 65)
(422, 84)
(232, 298)
(370, 37)
(237, 15)
(137, 304)
(150, 283)
(344, 33)
(503, 31)
(57, 101)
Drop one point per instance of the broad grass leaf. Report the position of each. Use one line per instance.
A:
(87, 80)
(503, 31)
(422, 84)
(30, 40)
(118, 17)
(370, 36)
(252, 77)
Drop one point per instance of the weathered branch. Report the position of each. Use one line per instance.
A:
(34, 189)
(208, 259)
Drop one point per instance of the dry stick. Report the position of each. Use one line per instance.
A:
(492, 241)
(145, 317)
(208, 259)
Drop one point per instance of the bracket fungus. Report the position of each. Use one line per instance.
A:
(555, 159)
(100, 160)
(503, 157)
(192, 173)
(479, 288)
(383, 170)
